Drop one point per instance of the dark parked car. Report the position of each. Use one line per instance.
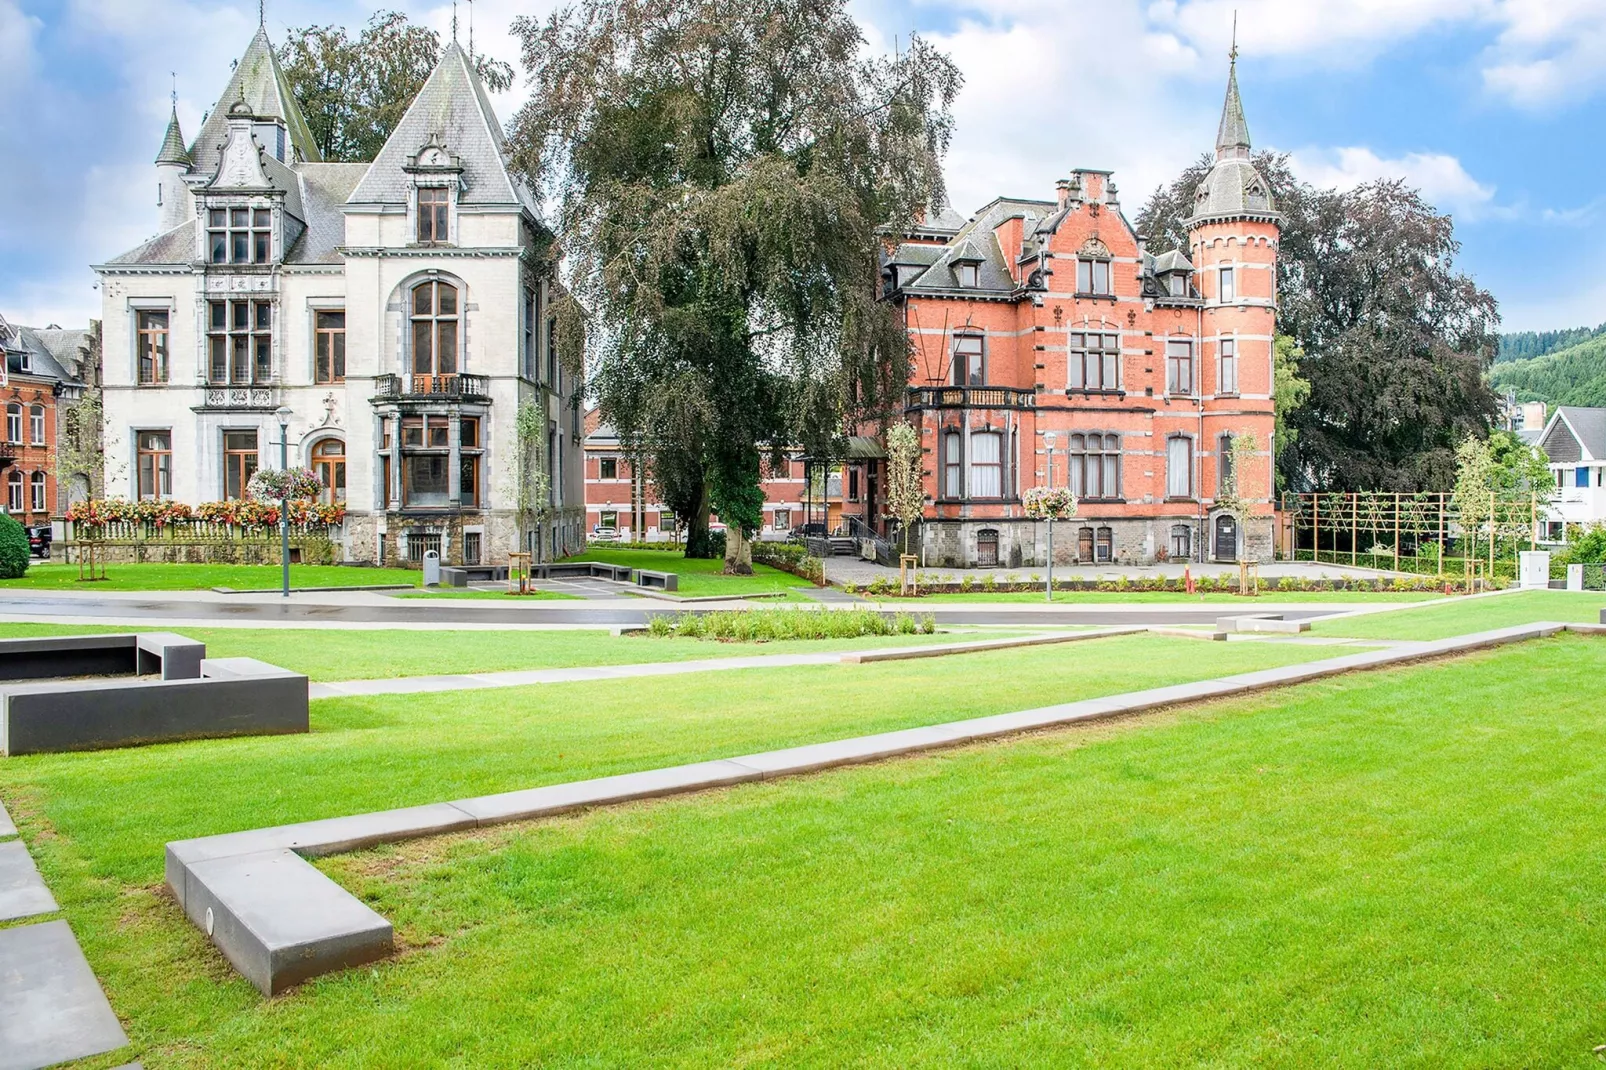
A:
(39, 541)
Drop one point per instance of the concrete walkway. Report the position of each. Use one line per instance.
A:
(52, 1009)
(840, 570)
(280, 921)
(415, 685)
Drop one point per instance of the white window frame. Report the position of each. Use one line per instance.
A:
(1227, 285)
(1227, 365)
(1183, 465)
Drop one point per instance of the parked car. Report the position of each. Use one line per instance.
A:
(602, 534)
(39, 537)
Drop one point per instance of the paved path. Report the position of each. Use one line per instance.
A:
(52, 1009)
(856, 570)
(204, 609)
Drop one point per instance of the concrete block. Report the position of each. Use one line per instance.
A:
(559, 798)
(454, 577)
(174, 656)
(52, 1009)
(70, 655)
(1234, 623)
(667, 581)
(93, 714)
(7, 828)
(850, 751)
(280, 921)
(315, 838)
(22, 891)
(1273, 625)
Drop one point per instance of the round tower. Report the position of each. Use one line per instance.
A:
(1233, 236)
(172, 164)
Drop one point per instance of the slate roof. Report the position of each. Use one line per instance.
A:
(260, 82)
(1174, 260)
(1233, 189)
(69, 348)
(453, 107)
(176, 246)
(173, 150)
(975, 240)
(26, 344)
(1588, 426)
(324, 190)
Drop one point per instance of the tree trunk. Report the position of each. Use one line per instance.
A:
(738, 552)
(697, 528)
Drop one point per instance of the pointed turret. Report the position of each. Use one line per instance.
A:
(173, 199)
(173, 150)
(1233, 189)
(1232, 138)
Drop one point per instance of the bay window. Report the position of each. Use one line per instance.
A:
(239, 338)
(435, 313)
(240, 235)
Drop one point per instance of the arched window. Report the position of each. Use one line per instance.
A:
(13, 422)
(435, 315)
(14, 491)
(36, 425)
(329, 461)
(36, 496)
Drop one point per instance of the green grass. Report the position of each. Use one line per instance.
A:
(699, 577)
(1459, 616)
(155, 577)
(468, 592)
(355, 654)
(1397, 868)
(1172, 597)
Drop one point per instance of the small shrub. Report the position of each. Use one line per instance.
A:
(772, 625)
(13, 548)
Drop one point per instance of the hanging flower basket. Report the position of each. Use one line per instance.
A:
(274, 484)
(1049, 503)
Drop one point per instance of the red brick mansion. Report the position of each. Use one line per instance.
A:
(1050, 347)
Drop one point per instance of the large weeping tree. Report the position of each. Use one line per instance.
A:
(723, 170)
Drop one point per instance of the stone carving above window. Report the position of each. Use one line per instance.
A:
(1094, 249)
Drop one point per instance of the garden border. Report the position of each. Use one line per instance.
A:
(281, 921)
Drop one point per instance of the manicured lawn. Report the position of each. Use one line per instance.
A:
(466, 592)
(1397, 868)
(699, 576)
(1170, 597)
(1458, 616)
(150, 577)
(356, 654)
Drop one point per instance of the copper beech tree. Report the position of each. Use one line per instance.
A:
(721, 171)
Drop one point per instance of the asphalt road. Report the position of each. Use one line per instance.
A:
(424, 612)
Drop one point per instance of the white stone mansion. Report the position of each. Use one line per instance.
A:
(400, 309)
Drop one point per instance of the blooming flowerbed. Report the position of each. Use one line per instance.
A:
(99, 515)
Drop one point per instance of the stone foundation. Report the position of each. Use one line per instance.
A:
(1089, 540)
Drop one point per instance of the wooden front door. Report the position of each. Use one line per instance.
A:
(1226, 537)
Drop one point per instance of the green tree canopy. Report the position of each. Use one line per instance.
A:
(723, 168)
(1395, 340)
(354, 92)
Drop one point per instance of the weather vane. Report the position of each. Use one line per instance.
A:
(454, 22)
(175, 87)
(1233, 55)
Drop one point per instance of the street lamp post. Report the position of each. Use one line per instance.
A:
(284, 413)
(1048, 442)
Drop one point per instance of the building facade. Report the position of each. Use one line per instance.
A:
(622, 503)
(396, 313)
(1574, 440)
(39, 390)
(1052, 348)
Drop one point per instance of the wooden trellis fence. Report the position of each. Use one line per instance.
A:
(1418, 533)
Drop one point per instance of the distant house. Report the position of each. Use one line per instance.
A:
(1575, 442)
(39, 388)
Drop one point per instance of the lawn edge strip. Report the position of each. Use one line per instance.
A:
(280, 921)
(860, 657)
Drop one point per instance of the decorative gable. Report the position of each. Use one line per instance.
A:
(1561, 446)
(241, 164)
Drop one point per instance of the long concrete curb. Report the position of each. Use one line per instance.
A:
(280, 921)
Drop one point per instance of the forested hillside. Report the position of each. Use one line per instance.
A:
(1525, 345)
(1575, 375)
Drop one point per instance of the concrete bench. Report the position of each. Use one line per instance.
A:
(668, 581)
(454, 577)
(176, 657)
(615, 573)
(1272, 623)
(230, 697)
(69, 655)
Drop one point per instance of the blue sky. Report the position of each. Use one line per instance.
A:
(1491, 107)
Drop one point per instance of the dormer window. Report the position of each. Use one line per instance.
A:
(1179, 285)
(433, 216)
(968, 276)
(240, 235)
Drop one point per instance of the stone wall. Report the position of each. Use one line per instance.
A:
(1024, 543)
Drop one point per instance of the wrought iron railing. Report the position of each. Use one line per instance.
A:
(970, 397)
(432, 386)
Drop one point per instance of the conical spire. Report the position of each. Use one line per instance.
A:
(173, 150)
(1232, 139)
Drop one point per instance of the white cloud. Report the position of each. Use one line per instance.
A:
(1333, 32)
(1547, 53)
(1441, 177)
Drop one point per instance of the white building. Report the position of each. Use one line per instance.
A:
(1575, 442)
(401, 309)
